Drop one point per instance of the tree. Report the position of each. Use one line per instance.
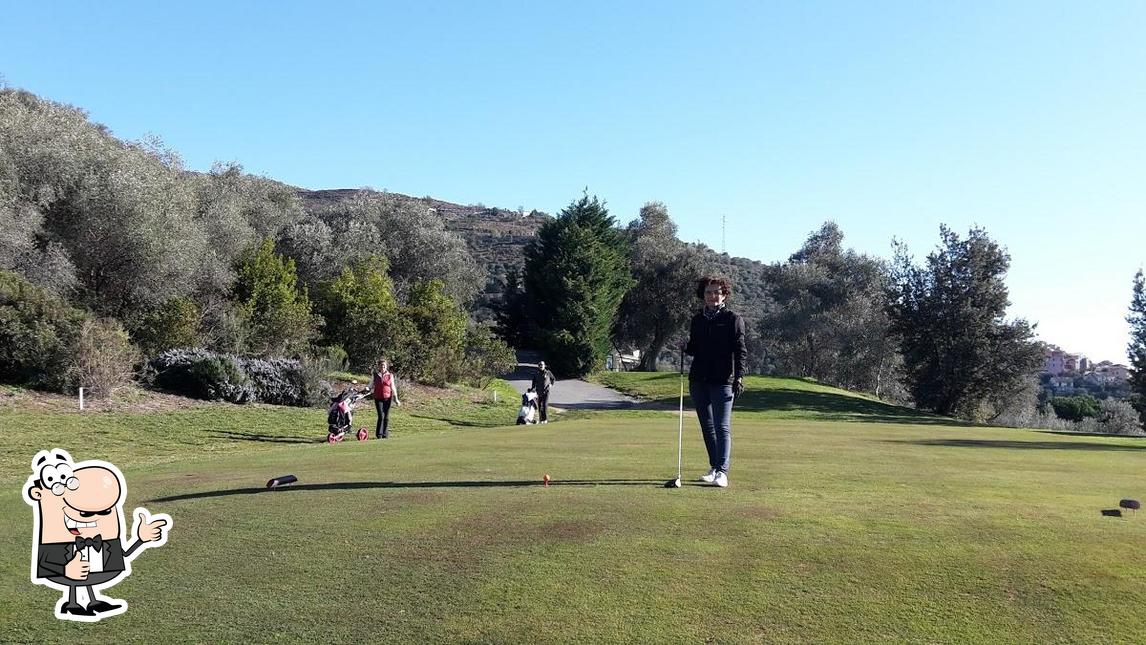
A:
(576, 273)
(361, 313)
(236, 211)
(514, 325)
(436, 348)
(411, 235)
(826, 317)
(1136, 350)
(658, 305)
(486, 356)
(961, 356)
(173, 324)
(277, 313)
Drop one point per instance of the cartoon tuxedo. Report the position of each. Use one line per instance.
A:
(78, 524)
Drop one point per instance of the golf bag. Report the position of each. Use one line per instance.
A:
(528, 412)
(340, 416)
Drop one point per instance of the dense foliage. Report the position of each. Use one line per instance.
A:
(207, 375)
(961, 356)
(576, 273)
(826, 318)
(38, 331)
(657, 307)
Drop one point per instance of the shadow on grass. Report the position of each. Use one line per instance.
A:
(254, 436)
(1021, 445)
(829, 406)
(464, 423)
(599, 404)
(449, 484)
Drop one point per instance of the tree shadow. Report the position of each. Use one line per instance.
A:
(462, 422)
(1019, 445)
(253, 436)
(829, 406)
(442, 484)
(593, 404)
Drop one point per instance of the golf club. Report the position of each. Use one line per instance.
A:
(675, 483)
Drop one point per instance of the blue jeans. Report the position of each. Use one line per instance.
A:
(714, 411)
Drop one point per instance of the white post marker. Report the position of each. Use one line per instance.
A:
(81, 399)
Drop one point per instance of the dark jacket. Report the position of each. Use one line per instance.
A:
(717, 347)
(54, 556)
(542, 381)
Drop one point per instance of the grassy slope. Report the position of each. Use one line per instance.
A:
(832, 530)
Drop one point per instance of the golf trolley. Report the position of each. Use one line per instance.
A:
(340, 417)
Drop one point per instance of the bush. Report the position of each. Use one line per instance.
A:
(104, 358)
(1075, 408)
(282, 381)
(37, 333)
(486, 357)
(201, 374)
(175, 323)
(219, 377)
(207, 375)
(1116, 416)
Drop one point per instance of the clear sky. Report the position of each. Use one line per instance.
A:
(1026, 118)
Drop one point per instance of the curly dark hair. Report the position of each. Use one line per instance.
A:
(725, 285)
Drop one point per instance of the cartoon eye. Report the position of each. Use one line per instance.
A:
(50, 475)
(64, 471)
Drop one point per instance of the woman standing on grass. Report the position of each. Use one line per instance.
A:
(385, 389)
(716, 343)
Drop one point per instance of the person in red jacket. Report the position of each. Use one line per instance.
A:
(385, 390)
(716, 343)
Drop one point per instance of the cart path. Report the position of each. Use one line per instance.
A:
(573, 394)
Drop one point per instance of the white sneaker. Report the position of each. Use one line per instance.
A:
(709, 477)
(545, 421)
(721, 479)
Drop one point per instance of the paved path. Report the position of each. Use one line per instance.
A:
(572, 394)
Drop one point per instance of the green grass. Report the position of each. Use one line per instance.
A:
(774, 397)
(841, 525)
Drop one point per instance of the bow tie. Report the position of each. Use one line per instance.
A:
(83, 543)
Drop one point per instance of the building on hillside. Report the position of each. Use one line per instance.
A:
(1060, 362)
(1109, 374)
(1061, 384)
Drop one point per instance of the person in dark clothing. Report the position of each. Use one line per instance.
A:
(716, 343)
(385, 390)
(542, 380)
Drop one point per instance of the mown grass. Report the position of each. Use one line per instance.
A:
(832, 531)
(774, 397)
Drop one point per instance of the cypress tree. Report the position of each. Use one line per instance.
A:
(576, 273)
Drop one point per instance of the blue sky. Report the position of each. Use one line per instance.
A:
(1026, 118)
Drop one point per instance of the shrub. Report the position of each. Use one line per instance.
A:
(207, 375)
(486, 357)
(283, 381)
(1074, 408)
(1116, 416)
(201, 374)
(175, 323)
(104, 358)
(220, 377)
(37, 333)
